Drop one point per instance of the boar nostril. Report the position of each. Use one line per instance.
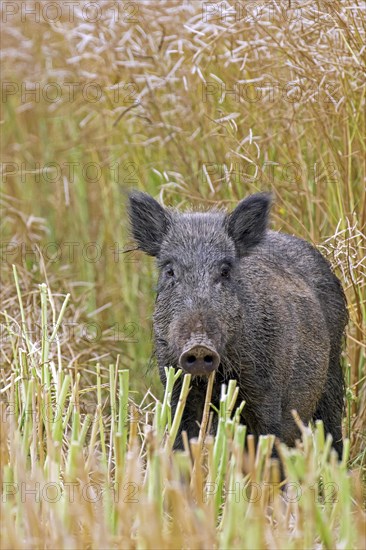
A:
(191, 359)
(208, 359)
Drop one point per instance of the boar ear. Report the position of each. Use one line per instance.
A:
(247, 224)
(149, 222)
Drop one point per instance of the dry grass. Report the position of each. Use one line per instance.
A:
(198, 105)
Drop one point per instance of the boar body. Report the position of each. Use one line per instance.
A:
(252, 304)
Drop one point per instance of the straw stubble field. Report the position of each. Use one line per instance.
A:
(198, 103)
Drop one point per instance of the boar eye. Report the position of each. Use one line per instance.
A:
(225, 271)
(170, 272)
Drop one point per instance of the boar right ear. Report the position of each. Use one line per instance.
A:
(149, 222)
(247, 224)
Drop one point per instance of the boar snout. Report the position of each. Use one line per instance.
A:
(199, 359)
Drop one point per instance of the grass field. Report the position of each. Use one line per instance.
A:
(197, 103)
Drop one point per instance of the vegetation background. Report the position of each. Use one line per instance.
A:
(197, 103)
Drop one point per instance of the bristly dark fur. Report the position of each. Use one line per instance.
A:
(267, 302)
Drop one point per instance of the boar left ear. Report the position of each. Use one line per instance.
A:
(247, 224)
(149, 222)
